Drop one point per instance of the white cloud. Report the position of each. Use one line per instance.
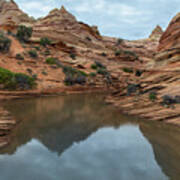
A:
(131, 19)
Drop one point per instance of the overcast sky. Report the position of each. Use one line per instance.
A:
(128, 19)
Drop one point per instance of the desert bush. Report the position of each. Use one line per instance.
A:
(131, 53)
(74, 76)
(152, 96)
(99, 64)
(5, 43)
(44, 73)
(88, 38)
(72, 56)
(37, 48)
(33, 53)
(19, 57)
(168, 100)
(103, 54)
(82, 73)
(71, 80)
(102, 71)
(44, 41)
(118, 52)
(119, 41)
(139, 73)
(9, 33)
(69, 70)
(15, 81)
(80, 79)
(24, 33)
(128, 70)
(51, 60)
(132, 88)
(29, 70)
(23, 81)
(94, 66)
(92, 74)
(47, 52)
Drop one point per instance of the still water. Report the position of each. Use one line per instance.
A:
(79, 137)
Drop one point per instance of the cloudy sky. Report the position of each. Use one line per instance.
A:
(128, 19)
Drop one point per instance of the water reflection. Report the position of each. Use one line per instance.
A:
(79, 137)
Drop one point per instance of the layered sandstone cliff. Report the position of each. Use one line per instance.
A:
(61, 26)
(154, 95)
(11, 16)
(156, 33)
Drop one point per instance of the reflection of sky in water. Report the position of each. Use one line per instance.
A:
(108, 154)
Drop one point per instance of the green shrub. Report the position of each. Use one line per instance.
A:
(139, 73)
(51, 60)
(47, 52)
(103, 54)
(9, 33)
(98, 33)
(15, 81)
(5, 43)
(128, 70)
(24, 33)
(34, 76)
(102, 71)
(131, 53)
(118, 52)
(72, 56)
(92, 74)
(74, 76)
(33, 53)
(83, 73)
(152, 96)
(29, 70)
(23, 81)
(99, 64)
(44, 73)
(119, 41)
(71, 80)
(94, 66)
(37, 48)
(132, 88)
(44, 41)
(69, 70)
(88, 38)
(19, 57)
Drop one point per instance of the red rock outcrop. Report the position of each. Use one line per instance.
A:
(156, 33)
(79, 46)
(60, 25)
(171, 37)
(161, 76)
(11, 16)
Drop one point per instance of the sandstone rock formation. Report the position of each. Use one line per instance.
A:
(171, 37)
(142, 66)
(156, 33)
(11, 16)
(160, 76)
(60, 25)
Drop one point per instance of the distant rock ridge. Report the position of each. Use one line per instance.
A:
(156, 33)
(60, 25)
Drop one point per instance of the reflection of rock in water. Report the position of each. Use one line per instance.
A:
(58, 122)
(7, 122)
(165, 141)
